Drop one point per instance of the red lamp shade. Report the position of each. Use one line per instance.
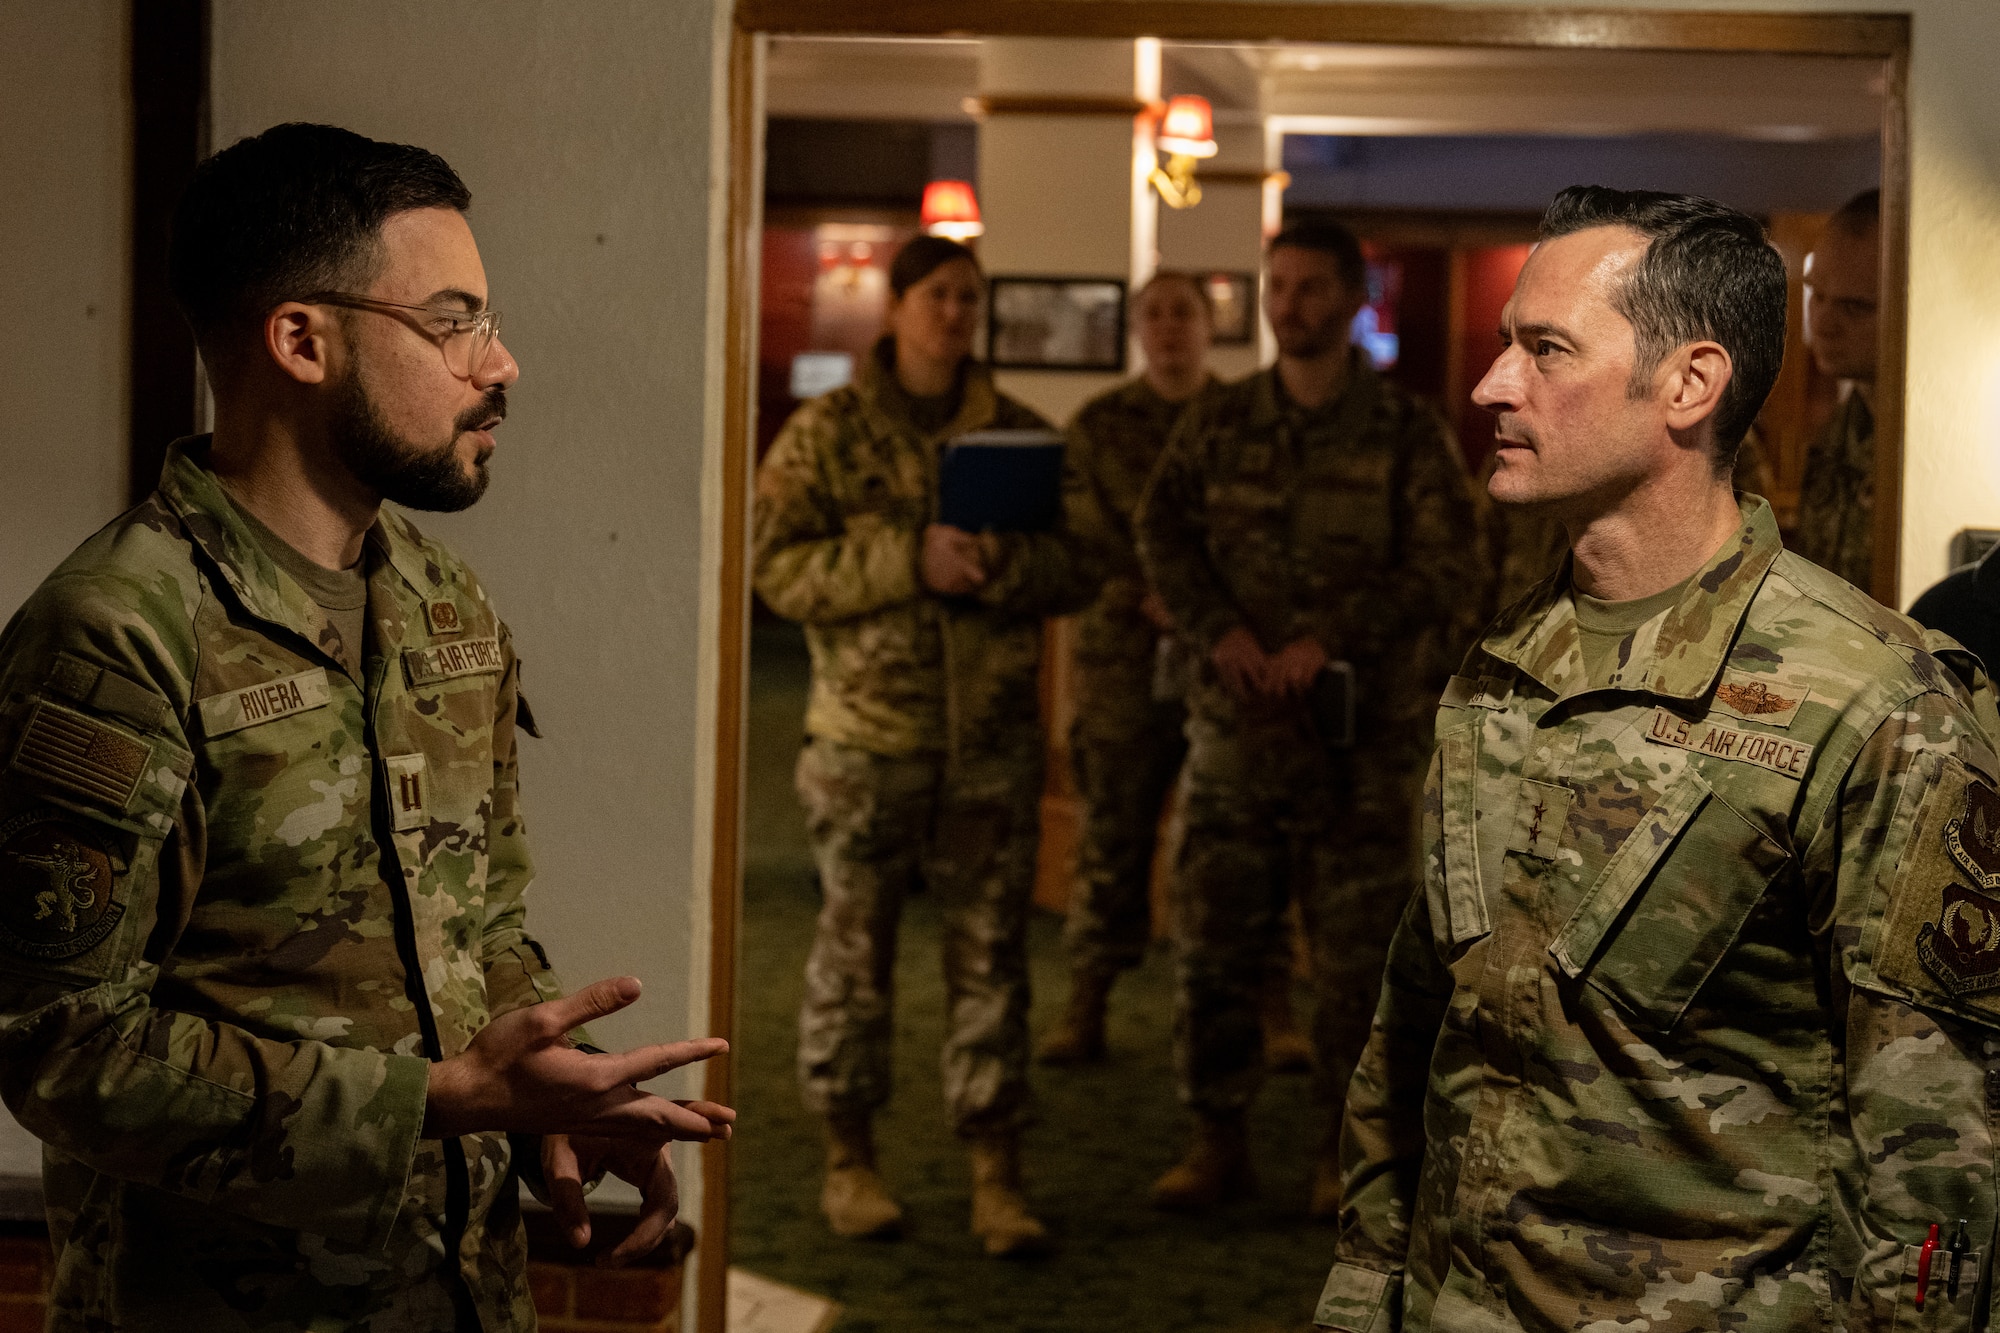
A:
(1188, 127)
(951, 209)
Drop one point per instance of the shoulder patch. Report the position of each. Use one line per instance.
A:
(76, 753)
(1941, 934)
(57, 903)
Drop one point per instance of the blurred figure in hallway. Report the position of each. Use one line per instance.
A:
(924, 751)
(1836, 526)
(1307, 526)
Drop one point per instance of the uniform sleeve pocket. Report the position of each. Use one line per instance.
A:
(1668, 904)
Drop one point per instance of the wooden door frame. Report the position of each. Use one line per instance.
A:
(1881, 36)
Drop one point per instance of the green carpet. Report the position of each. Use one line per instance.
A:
(1102, 1134)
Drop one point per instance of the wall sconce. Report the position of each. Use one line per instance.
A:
(952, 210)
(1187, 134)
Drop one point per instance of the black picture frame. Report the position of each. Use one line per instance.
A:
(1233, 295)
(1056, 323)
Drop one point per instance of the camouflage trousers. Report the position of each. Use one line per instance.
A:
(968, 831)
(1272, 814)
(1127, 759)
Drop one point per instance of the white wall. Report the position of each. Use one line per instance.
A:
(65, 228)
(65, 271)
(584, 132)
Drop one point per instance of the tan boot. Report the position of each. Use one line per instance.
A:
(1000, 1215)
(1079, 1037)
(1286, 1049)
(854, 1199)
(1215, 1170)
(1326, 1190)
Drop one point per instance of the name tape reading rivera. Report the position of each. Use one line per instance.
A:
(1776, 753)
(266, 701)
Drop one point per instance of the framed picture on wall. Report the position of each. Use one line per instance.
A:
(1056, 324)
(1234, 296)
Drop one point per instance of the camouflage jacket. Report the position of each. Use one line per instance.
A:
(1693, 1025)
(1349, 524)
(1837, 495)
(843, 498)
(244, 901)
(1117, 438)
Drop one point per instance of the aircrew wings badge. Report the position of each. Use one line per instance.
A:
(1962, 947)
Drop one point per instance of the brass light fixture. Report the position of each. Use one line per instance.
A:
(1187, 134)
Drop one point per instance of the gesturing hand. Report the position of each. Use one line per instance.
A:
(568, 1162)
(954, 561)
(520, 1074)
(1240, 661)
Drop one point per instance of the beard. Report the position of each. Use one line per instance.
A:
(416, 477)
(1305, 342)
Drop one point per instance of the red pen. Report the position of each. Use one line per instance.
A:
(1924, 1264)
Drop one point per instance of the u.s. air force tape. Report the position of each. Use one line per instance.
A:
(266, 701)
(1776, 753)
(448, 661)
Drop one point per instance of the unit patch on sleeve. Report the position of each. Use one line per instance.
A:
(78, 754)
(448, 661)
(266, 701)
(55, 887)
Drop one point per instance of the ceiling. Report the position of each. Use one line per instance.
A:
(1382, 90)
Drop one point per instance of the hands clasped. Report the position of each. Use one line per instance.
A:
(1248, 671)
(520, 1074)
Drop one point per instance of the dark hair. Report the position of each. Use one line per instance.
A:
(1708, 273)
(294, 210)
(1328, 238)
(1194, 284)
(922, 256)
(1859, 215)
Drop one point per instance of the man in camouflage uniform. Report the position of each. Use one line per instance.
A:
(924, 751)
(1836, 527)
(1312, 513)
(267, 994)
(1127, 743)
(1691, 1025)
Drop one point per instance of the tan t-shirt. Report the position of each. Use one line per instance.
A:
(1601, 626)
(341, 593)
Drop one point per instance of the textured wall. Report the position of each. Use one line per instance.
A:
(64, 235)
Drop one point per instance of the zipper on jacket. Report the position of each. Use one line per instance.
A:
(457, 1180)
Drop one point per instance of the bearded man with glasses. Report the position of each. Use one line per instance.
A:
(267, 994)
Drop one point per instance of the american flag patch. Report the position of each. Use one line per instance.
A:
(79, 754)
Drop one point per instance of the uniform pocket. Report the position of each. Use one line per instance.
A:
(1452, 877)
(1940, 1313)
(1669, 904)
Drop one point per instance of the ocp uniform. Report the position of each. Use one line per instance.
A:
(1127, 742)
(314, 890)
(1688, 1063)
(1350, 524)
(924, 751)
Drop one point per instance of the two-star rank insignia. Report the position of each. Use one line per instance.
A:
(1962, 947)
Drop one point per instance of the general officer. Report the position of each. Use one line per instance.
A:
(267, 994)
(1311, 514)
(924, 751)
(1691, 1025)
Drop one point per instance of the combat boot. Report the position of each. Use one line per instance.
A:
(854, 1199)
(1000, 1215)
(1215, 1170)
(1079, 1037)
(1326, 1188)
(1286, 1049)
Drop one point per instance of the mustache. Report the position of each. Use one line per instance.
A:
(1508, 430)
(488, 411)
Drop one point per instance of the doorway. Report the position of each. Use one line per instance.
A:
(1438, 268)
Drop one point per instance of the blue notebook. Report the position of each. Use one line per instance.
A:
(1002, 481)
